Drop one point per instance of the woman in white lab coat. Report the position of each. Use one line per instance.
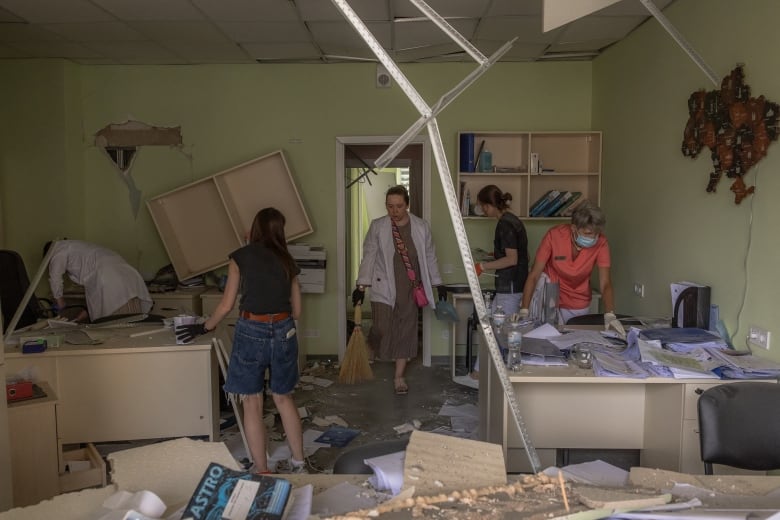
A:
(111, 285)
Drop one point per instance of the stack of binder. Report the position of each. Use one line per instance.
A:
(555, 203)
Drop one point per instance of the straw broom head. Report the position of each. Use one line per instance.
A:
(355, 367)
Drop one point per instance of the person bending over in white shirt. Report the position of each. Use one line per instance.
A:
(111, 285)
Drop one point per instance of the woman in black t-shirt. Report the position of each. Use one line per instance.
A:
(510, 251)
(265, 335)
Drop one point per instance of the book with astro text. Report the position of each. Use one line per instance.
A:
(224, 493)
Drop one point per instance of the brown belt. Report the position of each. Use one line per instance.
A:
(265, 318)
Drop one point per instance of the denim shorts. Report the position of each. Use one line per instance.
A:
(257, 346)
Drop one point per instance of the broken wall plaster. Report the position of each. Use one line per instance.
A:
(120, 142)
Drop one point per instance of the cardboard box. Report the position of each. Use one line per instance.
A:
(83, 468)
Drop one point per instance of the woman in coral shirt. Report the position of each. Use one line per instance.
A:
(567, 255)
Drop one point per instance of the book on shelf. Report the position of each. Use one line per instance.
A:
(573, 196)
(226, 493)
(537, 202)
(574, 205)
(537, 210)
(554, 208)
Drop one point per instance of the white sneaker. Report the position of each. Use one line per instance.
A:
(287, 466)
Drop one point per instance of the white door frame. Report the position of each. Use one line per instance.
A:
(341, 261)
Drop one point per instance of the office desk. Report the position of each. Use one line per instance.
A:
(128, 388)
(568, 407)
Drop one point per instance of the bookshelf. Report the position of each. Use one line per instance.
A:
(529, 165)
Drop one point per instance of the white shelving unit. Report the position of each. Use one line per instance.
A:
(568, 161)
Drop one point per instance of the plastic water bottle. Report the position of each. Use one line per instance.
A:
(514, 339)
(488, 304)
(499, 317)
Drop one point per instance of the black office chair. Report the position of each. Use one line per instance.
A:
(13, 285)
(739, 425)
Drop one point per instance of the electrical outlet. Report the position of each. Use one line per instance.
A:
(759, 337)
(639, 289)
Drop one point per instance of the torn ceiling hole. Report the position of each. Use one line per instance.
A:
(120, 141)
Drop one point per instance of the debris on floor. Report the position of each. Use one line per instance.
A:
(434, 404)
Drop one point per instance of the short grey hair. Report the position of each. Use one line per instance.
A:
(589, 216)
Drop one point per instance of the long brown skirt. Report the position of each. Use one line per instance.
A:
(393, 333)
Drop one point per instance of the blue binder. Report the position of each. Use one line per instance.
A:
(467, 152)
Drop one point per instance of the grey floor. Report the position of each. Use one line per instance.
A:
(371, 407)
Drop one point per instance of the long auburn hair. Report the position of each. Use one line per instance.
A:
(268, 229)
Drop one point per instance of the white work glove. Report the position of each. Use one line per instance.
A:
(611, 322)
(520, 315)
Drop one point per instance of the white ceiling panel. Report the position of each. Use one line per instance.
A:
(6, 51)
(90, 32)
(343, 32)
(416, 34)
(325, 10)
(632, 8)
(248, 10)
(233, 31)
(583, 46)
(519, 52)
(281, 51)
(151, 9)
(429, 51)
(54, 11)
(335, 53)
(265, 32)
(15, 32)
(7, 16)
(135, 52)
(209, 52)
(456, 8)
(593, 28)
(515, 8)
(186, 31)
(526, 28)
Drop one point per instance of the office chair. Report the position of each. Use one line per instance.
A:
(351, 462)
(13, 284)
(739, 426)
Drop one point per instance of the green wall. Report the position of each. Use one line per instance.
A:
(41, 160)
(231, 114)
(663, 226)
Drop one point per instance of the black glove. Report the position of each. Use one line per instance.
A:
(187, 333)
(442, 292)
(357, 296)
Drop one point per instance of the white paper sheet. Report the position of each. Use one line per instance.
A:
(546, 331)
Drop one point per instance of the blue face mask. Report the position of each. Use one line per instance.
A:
(585, 241)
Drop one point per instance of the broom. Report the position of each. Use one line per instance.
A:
(355, 367)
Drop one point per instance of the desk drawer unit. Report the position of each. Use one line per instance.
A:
(211, 298)
(182, 301)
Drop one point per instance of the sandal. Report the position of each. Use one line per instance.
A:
(400, 386)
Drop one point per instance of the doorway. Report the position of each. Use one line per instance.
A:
(359, 202)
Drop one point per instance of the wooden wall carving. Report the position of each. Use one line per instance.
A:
(736, 127)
